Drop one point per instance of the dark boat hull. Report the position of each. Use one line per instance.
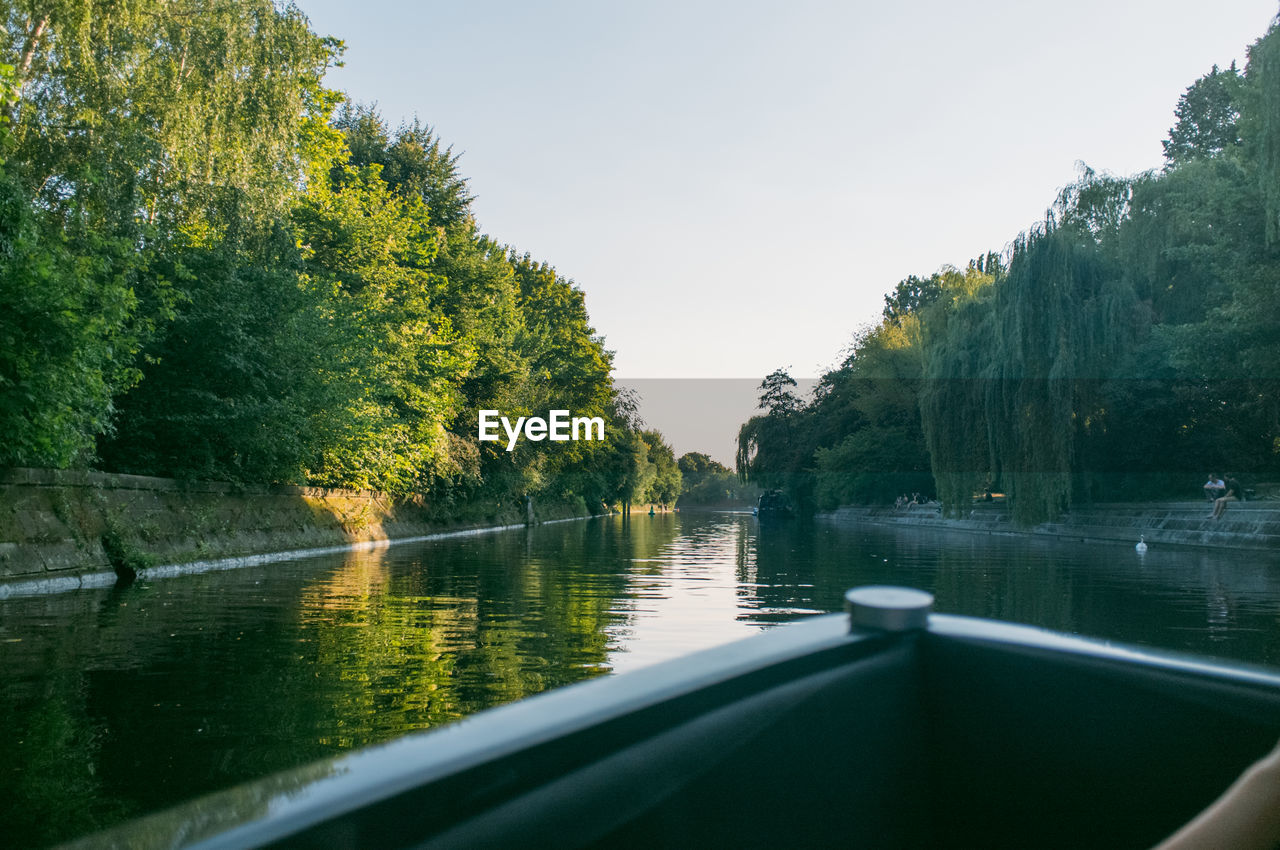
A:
(967, 734)
(772, 514)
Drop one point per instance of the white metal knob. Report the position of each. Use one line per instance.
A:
(888, 609)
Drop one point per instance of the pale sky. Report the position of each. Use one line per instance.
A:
(736, 185)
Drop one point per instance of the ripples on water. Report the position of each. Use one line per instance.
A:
(119, 702)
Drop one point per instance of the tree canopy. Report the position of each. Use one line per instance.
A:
(217, 268)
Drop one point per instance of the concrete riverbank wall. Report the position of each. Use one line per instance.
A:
(64, 529)
(1244, 525)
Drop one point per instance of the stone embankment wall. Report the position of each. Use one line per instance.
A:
(1244, 525)
(65, 529)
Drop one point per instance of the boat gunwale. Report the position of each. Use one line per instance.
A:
(951, 626)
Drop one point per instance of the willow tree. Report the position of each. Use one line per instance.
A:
(952, 405)
(1264, 75)
(1029, 384)
(1020, 371)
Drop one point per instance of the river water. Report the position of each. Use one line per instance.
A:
(119, 702)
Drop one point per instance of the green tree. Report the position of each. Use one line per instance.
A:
(1057, 321)
(695, 466)
(67, 333)
(414, 162)
(143, 134)
(767, 451)
(234, 386)
(1207, 115)
(776, 395)
(911, 294)
(1262, 122)
(631, 474)
(882, 453)
(666, 484)
(398, 360)
(706, 481)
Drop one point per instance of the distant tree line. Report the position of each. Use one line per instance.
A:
(706, 481)
(215, 268)
(1121, 349)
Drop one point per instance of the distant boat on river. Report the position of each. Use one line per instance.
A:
(774, 504)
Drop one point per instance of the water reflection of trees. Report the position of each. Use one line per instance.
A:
(168, 691)
(458, 629)
(50, 789)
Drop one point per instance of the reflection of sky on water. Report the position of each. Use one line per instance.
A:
(684, 598)
(721, 577)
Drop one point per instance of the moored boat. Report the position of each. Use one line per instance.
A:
(773, 504)
(889, 726)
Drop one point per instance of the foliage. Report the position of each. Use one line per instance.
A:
(214, 268)
(67, 333)
(879, 385)
(776, 396)
(1117, 350)
(706, 481)
(910, 295)
(1262, 123)
(666, 485)
(774, 430)
(695, 466)
(1057, 319)
(397, 358)
(1207, 118)
(231, 382)
(143, 134)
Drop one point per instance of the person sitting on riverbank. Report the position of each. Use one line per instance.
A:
(1235, 493)
(1214, 488)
